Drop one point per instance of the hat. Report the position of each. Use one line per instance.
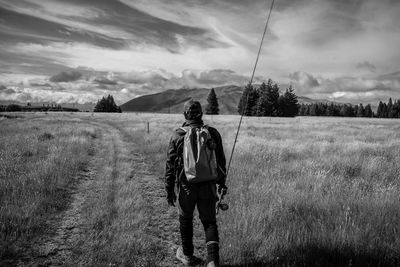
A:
(192, 109)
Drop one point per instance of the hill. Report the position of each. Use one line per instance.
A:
(171, 101)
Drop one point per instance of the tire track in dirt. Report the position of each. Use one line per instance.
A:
(58, 246)
(62, 245)
(163, 224)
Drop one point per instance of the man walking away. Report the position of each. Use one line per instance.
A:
(196, 162)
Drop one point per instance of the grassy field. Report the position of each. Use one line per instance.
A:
(302, 191)
(39, 160)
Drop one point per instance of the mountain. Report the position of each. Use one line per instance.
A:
(171, 101)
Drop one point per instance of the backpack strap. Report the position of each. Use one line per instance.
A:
(185, 129)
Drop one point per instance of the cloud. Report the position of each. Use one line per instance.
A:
(156, 77)
(189, 78)
(2, 87)
(367, 66)
(304, 81)
(39, 84)
(121, 25)
(8, 91)
(105, 81)
(348, 89)
(66, 76)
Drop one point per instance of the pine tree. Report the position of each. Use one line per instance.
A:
(314, 110)
(212, 103)
(396, 109)
(107, 104)
(290, 103)
(251, 109)
(379, 112)
(262, 101)
(360, 111)
(391, 111)
(243, 98)
(282, 107)
(368, 111)
(385, 110)
(347, 111)
(303, 110)
(330, 111)
(271, 99)
(248, 101)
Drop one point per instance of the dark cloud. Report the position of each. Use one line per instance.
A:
(367, 66)
(390, 76)
(331, 27)
(160, 79)
(40, 84)
(29, 63)
(3, 87)
(8, 91)
(105, 81)
(116, 26)
(18, 27)
(66, 76)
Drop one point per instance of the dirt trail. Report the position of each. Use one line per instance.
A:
(163, 224)
(57, 244)
(61, 244)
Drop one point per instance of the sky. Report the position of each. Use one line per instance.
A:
(77, 51)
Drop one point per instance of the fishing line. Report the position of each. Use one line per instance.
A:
(250, 83)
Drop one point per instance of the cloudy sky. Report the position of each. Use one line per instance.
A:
(79, 50)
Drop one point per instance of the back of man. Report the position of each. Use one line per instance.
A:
(200, 194)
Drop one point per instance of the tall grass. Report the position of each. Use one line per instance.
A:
(302, 191)
(38, 161)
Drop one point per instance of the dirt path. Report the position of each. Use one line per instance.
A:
(66, 239)
(163, 223)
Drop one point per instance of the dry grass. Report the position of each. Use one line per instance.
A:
(302, 191)
(38, 162)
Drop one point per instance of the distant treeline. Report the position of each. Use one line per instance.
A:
(266, 101)
(385, 110)
(15, 107)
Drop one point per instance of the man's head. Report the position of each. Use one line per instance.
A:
(192, 110)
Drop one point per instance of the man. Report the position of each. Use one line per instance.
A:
(203, 194)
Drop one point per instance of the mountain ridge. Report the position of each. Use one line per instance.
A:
(171, 100)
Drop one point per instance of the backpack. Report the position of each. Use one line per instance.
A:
(199, 160)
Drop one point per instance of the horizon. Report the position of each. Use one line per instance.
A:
(341, 51)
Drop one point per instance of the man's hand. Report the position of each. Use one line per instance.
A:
(171, 198)
(222, 189)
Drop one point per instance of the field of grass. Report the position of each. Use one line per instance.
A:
(39, 160)
(302, 191)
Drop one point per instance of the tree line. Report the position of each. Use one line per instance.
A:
(337, 110)
(389, 110)
(266, 100)
(385, 110)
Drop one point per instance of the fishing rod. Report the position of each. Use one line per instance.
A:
(250, 83)
(220, 205)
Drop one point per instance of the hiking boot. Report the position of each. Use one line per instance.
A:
(212, 264)
(186, 260)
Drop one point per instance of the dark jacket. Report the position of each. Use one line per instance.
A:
(174, 166)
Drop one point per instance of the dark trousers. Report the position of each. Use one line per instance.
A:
(202, 195)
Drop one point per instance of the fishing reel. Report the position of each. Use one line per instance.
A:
(223, 206)
(220, 205)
